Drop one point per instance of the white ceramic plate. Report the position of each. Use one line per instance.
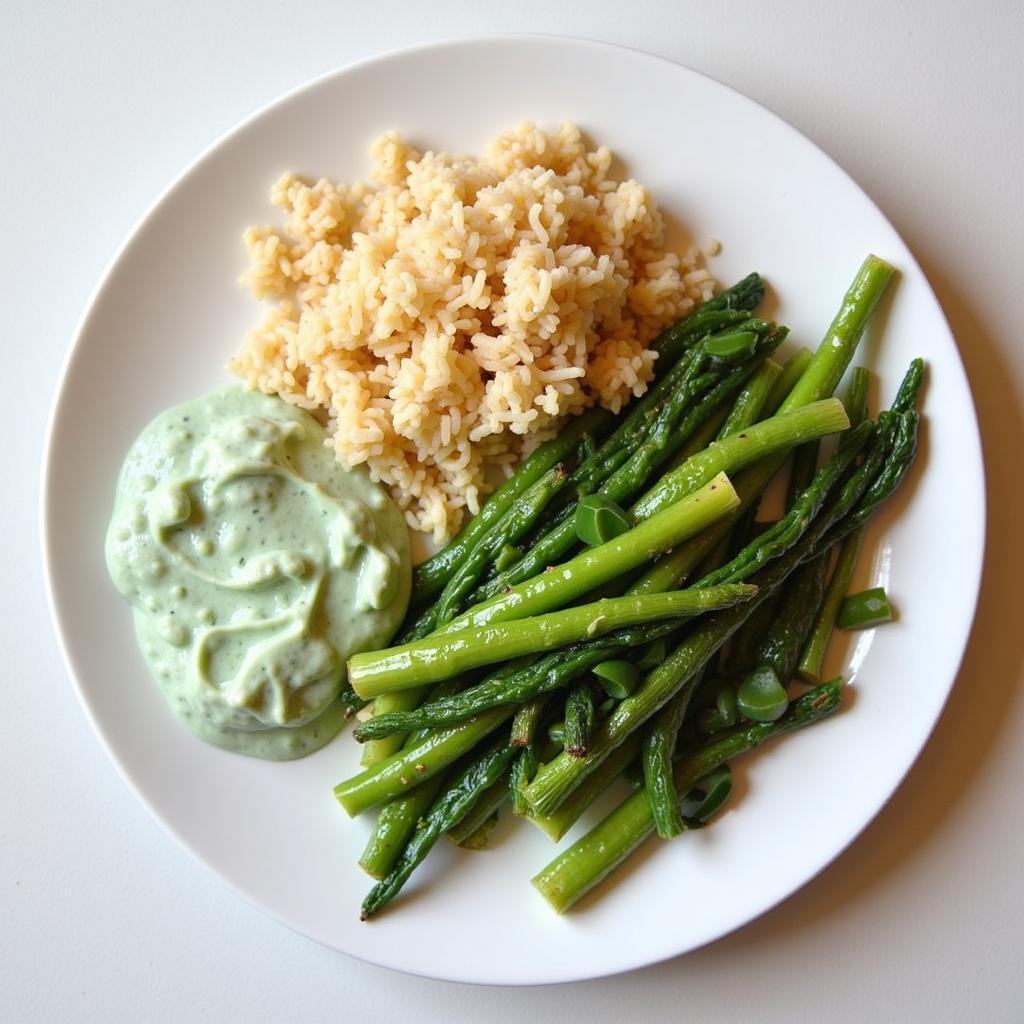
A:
(169, 313)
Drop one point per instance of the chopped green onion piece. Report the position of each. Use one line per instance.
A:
(599, 520)
(760, 696)
(618, 677)
(735, 345)
(723, 713)
(864, 610)
(707, 798)
(725, 704)
(652, 655)
(556, 733)
(508, 555)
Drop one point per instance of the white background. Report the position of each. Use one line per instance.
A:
(103, 917)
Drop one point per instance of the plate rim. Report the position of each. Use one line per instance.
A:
(47, 513)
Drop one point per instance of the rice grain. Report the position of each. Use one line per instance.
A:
(447, 314)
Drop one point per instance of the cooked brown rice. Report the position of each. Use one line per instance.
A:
(450, 311)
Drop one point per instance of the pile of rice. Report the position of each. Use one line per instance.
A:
(450, 312)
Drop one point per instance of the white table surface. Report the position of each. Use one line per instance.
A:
(104, 918)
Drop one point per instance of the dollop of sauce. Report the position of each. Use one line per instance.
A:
(256, 565)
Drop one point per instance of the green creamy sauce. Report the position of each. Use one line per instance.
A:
(256, 565)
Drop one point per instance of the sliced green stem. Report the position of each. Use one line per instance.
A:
(558, 822)
(813, 656)
(749, 405)
(742, 654)
(801, 470)
(524, 725)
(468, 832)
(376, 750)
(864, 610)
(779, 433)
(856, 400)
(593, 857)
(659, 746)
(779, 537)
(806, 378)
(792, 370)
(524, 767)
(786, 551)
(416, 762)
(841, 339)
(594, 566)
(430, 577)
(512, 526)
(580, 713)
(395, 824)
(622, 478)
(802, 596)
(457, 798)
(448, 654)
